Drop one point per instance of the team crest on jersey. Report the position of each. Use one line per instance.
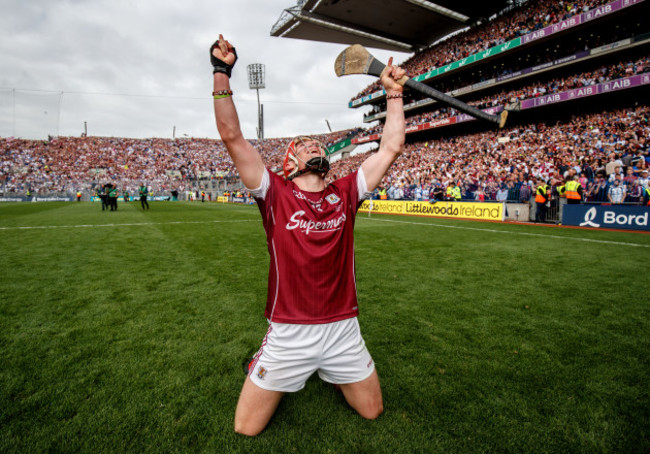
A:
(261, 373)
(333, 199)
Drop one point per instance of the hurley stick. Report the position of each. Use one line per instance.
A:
(357, 60)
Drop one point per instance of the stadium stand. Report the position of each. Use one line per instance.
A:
(64, 165)
(486, 164)
(509, 25)
(481, 163)
(549, 60)
(579, 75)
(539, 88)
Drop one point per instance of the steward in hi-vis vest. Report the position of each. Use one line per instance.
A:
(457, 194)
(542, 197)
(453, 192)
(573, 191)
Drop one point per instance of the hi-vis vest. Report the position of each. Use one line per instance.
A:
(383, 195)
(571, 190)
(454, 192)
(540, 194)
(648, 191)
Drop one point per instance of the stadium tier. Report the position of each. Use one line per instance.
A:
(576, 76)
(480, 162)
(531, 33)
(69, 164)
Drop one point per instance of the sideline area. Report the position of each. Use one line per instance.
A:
(541, 235)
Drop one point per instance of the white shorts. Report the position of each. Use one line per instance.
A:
(290, 354)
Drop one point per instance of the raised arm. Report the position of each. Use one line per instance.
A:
(248, 161)
(392, 140)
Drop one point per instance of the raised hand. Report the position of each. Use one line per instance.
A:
(222, 56)
(390, 77)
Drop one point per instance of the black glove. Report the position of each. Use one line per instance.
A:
(220, 66)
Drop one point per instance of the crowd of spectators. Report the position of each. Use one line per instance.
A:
(624, 68)
(527, 18)
(71, 164)
(504, 165)
(605, 150)
(494, 165)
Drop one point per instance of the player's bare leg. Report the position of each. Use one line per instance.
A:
(255, 408)
(365, 396)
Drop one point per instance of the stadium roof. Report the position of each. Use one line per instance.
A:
(397, 25)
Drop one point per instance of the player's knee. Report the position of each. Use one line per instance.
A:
(372, 411)
(247, 430)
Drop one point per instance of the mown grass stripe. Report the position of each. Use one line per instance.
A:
(539, 235)
(136, 224)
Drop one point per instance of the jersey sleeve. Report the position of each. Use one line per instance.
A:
(260, 193)
(362, 186)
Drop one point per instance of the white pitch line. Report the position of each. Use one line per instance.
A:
(618, 243)
(118, 225)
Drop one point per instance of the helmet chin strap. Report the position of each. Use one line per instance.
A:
(317, 165)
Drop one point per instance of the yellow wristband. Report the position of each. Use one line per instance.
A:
(221, 96)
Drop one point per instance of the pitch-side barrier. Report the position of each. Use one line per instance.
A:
(606, 216)
(461, 210)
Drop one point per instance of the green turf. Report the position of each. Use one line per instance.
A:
(126, 331)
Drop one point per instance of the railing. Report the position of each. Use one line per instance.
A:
(286, 16)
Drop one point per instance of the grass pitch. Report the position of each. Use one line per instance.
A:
(126, 331)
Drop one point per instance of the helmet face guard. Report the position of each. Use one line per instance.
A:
(318, 164)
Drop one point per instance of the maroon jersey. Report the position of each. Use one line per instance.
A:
(311, 244)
